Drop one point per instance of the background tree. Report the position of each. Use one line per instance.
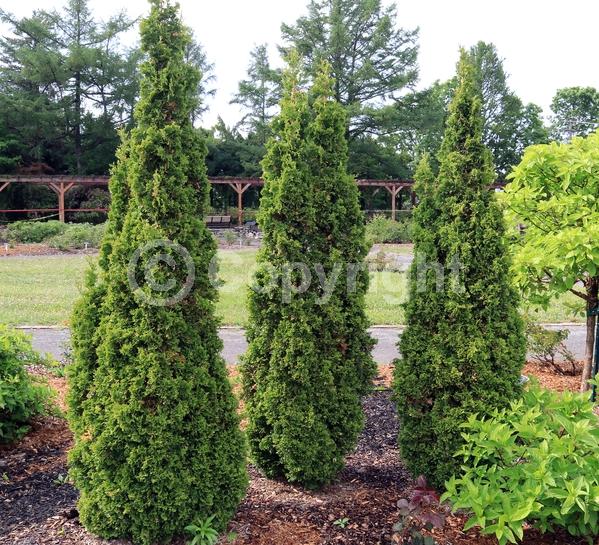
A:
(258, 95)
(30, 102)
(463, 347)
(230, 153)
(553, 193)
(86, 55)
(575, 112)
(378, 158)
(308, 360)
(508, 125)
(417, 123)
(196, 56)
(373, 60)
(157, 439)
(56, 68)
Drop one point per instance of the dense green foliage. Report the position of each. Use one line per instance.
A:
(463, 347)
(536, 461)
(509, 126)
(78, 236)
(575, 112)
(66, 84)
(21, 397)
(157, 439)
(553, 192)
(31, 232)
(64, 236)
(259, 94)
(371, 58)
(381, 230)
(308, 361)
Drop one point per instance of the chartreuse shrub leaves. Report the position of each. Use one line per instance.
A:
(21, 396)
(536, 462)
(308, 361)
(463, 347)
(157, 439)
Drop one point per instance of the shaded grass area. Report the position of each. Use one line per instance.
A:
(41, 291)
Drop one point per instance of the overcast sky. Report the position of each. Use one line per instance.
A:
(546, 44)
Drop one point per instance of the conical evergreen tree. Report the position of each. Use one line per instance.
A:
(463, 348)
(157, 440)
(308, 361)
(85, 330)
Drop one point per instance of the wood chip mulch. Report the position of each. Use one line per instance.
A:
(32, 250)
(38, 508)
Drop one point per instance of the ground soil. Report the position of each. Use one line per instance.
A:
(26, 250)
(37, 506)
(29, 250)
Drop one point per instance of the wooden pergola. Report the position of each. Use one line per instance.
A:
(62, 184)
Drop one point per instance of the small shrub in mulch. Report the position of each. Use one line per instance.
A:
(22, 397)
(535, 462)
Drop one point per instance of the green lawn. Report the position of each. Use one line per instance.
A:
(41, 291)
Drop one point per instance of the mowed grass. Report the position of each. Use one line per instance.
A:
(42, 290)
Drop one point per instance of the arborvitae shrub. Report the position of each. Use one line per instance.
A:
(157, 439)
(463, 347)
(308, 361)
(21, 396)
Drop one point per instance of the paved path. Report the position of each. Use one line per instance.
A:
(385, 351)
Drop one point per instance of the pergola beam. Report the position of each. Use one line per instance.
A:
(61, 189)
(240, 188)
(394, 190)
(62, 184)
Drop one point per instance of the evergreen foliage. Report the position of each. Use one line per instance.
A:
(22, 397)
(258, 94)
(373, 60)
(157, 441)
(309, 360)
(464, 346)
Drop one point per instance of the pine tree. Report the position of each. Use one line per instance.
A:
(309, 360)
(463, 348)
(258, 94)
(157, 439)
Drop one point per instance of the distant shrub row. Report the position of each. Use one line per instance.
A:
(63, 236)
(381, 230)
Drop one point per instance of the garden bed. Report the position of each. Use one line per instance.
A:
(38, 506)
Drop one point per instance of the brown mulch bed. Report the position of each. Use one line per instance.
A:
(552, 381)
(26, 250)
(33, 250)
(38, 508)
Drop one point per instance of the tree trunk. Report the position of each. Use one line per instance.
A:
(78, 99)
(78, 122)
(592, 302)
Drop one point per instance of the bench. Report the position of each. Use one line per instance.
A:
(218, 221)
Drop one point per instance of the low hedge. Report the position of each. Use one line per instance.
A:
(77, 235)
(32, 232)
(381, 230)
(63, 236)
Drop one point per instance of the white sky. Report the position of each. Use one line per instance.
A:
(546, 44)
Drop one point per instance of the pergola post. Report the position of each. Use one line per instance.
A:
(394, 190)
(240, 189)
(61, 189)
